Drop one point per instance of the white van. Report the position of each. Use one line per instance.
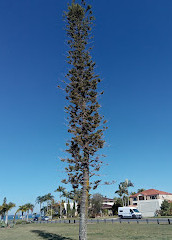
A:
(129, 212)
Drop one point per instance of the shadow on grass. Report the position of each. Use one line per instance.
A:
(50, 236)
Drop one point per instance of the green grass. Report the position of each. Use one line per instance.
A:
(100, 231)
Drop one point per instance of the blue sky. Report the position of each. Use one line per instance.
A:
(133, 53)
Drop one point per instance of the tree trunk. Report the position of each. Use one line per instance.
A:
(84, 208)
(14, 219)
(40, 211)
(123, 201)
(60, 209)
(27, 216)
(6, 217)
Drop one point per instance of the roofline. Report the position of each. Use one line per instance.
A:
(157, 192)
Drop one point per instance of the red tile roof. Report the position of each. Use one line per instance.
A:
(150, 192)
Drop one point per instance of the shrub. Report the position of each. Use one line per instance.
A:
(2, 224)
(20, 222)
(165, 208)
(118, 203)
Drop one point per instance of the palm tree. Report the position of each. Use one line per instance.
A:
(74, 195)
(40, 200)
(23, 209)
(14, 219)
(10, 205)
(51, 198)
(29, 206)
(120, 192)
(61, 190)
(123, 190)
(3, 208)
(63, 194)
(128, 184)
(1, 212)
(132, 193)
(48, 198)
(140, 190)
(6, 207)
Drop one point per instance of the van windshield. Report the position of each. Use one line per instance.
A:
(135, 210)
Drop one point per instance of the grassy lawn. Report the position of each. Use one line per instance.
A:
(100, 231)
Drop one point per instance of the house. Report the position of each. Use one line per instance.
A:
(71, 205)
(149, 201)
(107, 205)
(108, 201)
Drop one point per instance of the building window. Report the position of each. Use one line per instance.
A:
(141, 197)
(135, 199)
(153, 197)
(135, 204)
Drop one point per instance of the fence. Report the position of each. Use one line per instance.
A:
(112, 220)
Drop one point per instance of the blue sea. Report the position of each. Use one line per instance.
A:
(10, 217)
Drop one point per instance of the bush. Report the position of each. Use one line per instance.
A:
(118, 203)
(2, 224)
(96, 205)
(165, 208)
(20, 222)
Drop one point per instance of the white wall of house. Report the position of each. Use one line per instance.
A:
(148, 208)
(165, 197)
(108, 203)
(71, 205)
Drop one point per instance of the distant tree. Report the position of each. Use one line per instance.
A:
(48, 198)
(55, 208)
(128, 184)
(40, 200)
(6, 208)
(1, 213)
(29, 207)
(132, 193)
(2, 209)
(84, 121)
(120, 192)
(14, 219)
(170, 209)
(68, 209)
(126, 200)
(23, 209)
(123, 191)
(63, 208)
(165, 208)
(96, 204)
(74, 195)
(118, 203)
(63, 193)
(73, 209)
(140, 190)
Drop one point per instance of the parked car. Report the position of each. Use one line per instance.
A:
(129, 212)
(44, 218)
